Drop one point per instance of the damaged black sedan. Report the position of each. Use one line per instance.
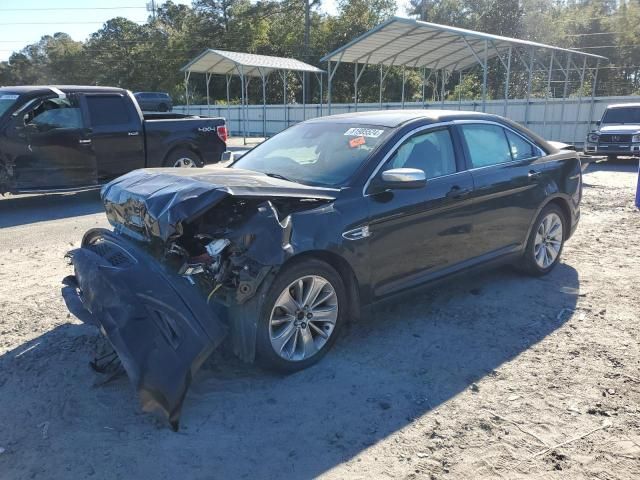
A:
(274, 253)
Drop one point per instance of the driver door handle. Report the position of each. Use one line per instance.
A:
(533, 174)
(457, 192)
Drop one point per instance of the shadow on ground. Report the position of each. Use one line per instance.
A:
(26, 209)
(384, 374)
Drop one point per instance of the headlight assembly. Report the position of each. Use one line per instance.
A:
(592, 137)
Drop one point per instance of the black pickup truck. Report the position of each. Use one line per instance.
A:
(68, 138)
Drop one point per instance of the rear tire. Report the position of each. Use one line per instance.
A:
(301, 316)
(545, 242)
(183, 158)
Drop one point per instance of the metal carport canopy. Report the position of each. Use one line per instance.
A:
(246, 66)
(413, 43)
(221, 62)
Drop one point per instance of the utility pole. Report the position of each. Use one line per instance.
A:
(307, 29)
(151, 7)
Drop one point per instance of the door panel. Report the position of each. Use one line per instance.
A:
(116, 134)
(508, 186)
(415, 233)
(57, 153)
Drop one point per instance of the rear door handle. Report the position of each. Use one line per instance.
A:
(84, 142)
(133, 134)
(534, 174)
(457, 192)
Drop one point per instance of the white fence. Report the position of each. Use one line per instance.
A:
(566, 120)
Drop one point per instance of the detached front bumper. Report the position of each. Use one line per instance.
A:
(159, 324)
(606, 149)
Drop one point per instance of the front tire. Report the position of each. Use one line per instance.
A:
(301, 316)
(545, 242)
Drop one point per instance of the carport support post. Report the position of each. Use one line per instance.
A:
(593, 94)
(484, 76)
(575, 129)
(424, 81)
(529, 82)
(207, 77)
(444, 80)
(403, 82)
(506, 83)
(264, 102)
(381, 80)
(355, 86)
(460, 91)
(564, 93)
(329, 79)
(547, 93)
(228, 80)
(242, 100)
(284, 98)
(187, 74)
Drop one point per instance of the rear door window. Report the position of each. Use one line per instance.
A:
(107, 110)
(487, 144)
(520, 148)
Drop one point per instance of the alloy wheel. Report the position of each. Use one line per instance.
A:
(303, 318)
(184, 162)
(548, 241)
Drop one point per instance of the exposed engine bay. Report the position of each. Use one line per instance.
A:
(184, 268)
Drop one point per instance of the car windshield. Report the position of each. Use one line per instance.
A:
(622, 115)
(7, 99)
(316, 153)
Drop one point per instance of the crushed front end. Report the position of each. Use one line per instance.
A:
(184, 268)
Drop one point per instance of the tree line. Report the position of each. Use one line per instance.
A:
(149, 56)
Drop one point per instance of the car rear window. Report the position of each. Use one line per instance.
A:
(108, 110)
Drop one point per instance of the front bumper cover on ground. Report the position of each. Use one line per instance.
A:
(158, 322)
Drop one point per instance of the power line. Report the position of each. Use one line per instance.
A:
(68, 8)
(66, 23)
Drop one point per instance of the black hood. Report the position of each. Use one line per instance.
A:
(154, 202)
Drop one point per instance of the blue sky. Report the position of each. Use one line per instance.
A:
(25, 21)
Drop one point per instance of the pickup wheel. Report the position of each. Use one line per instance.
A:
(183, 158)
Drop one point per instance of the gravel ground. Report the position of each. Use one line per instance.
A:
(494, 376)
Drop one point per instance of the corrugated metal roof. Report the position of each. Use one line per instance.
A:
(221, 62)
(413, 43)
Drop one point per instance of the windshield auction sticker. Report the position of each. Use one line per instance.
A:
(364, 132)
(9, 97)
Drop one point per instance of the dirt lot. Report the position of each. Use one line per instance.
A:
(496, 376)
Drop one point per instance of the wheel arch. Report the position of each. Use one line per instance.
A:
(563, 204)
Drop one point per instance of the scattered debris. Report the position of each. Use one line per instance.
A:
(571, 440)
(45, 429)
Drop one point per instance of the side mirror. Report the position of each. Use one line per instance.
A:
(403, 178)
(598, 123)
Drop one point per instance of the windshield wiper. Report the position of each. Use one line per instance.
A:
(277, 175)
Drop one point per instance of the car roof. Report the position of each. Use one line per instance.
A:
(395, 118)
(25, 89)
(620, 105)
